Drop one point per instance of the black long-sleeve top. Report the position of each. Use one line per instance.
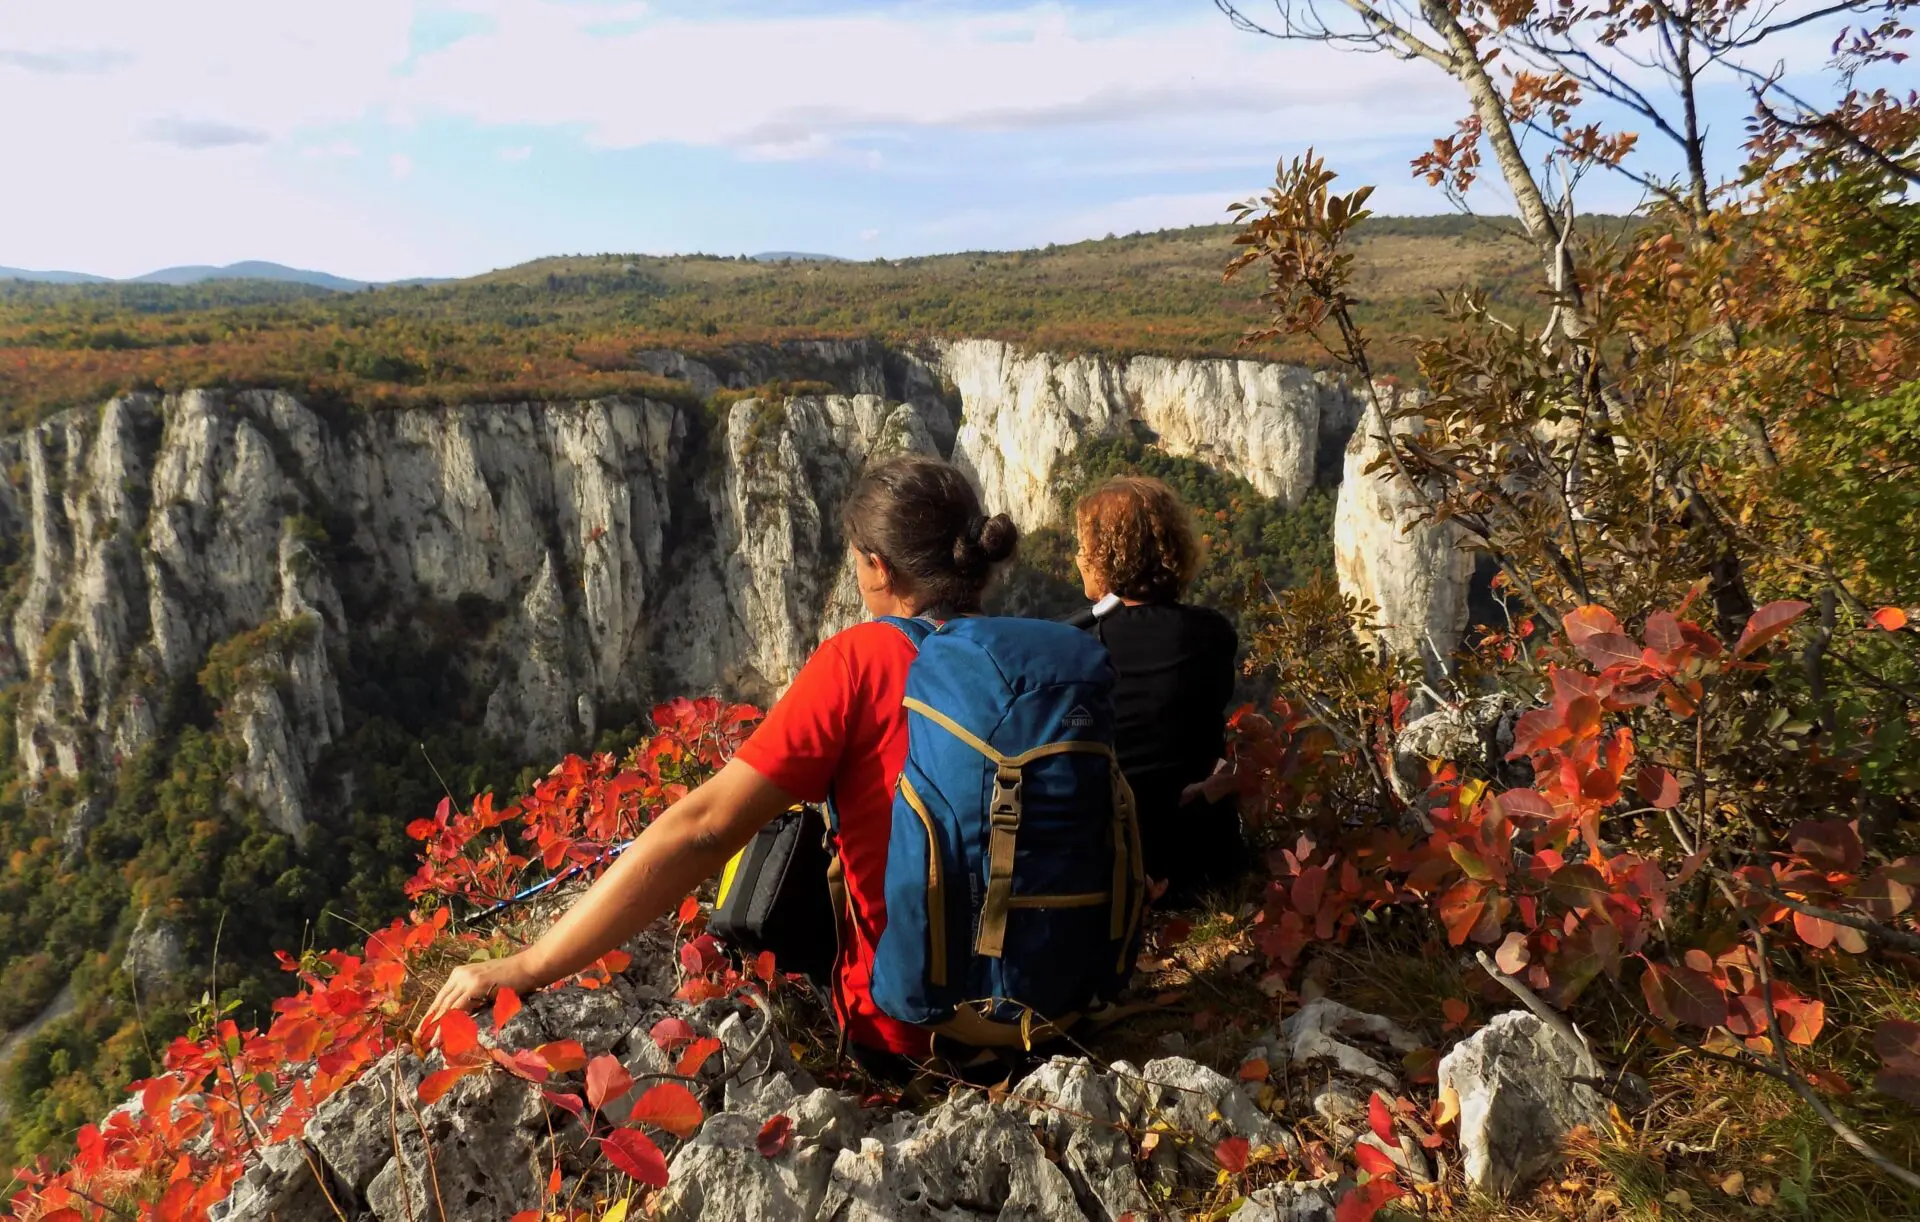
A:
(1175, 670)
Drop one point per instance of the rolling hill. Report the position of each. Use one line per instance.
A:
(571, 326)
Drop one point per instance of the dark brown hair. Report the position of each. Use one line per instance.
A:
(923, 518)
(1138, 538)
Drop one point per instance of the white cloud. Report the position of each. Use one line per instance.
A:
(794, 86)
(227, 112)
(62, 62)
(332, 150)
(869, 235)
(518, 153)
(201, 133)
(803, 86)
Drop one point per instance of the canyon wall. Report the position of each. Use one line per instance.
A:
(582, 556)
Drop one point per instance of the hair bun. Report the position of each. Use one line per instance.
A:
(998, 538)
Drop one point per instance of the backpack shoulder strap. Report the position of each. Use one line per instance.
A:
(915, 630)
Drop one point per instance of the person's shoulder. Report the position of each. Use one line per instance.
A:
(869, 639)
(1211, 622)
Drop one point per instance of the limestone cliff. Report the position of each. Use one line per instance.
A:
(582, 556)
(1413, 571)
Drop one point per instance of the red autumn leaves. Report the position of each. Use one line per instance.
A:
(1527, 873)
(667, 1106)
(214, 1097)
(578, 812)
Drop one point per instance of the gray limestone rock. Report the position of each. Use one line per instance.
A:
(488, 1159)
(1414, 571)
(284, 1186)
(1191, 1098)
(721, 1174)
(1326, 1031)
(1468, 734)
(1513, 1080)
(1295, 1201)
(1077, 1113)
(966, 1159)
(156, 957)
(353, 1131)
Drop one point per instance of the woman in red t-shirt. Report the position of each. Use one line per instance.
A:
(921, 547)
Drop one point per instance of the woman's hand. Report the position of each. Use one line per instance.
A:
(472, 984)
(687, 844)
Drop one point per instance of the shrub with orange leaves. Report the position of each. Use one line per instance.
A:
(225, 1092)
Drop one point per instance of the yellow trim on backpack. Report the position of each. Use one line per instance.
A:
(952, 727)
(936, 891)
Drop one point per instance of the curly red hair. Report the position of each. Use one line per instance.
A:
(1137, 537)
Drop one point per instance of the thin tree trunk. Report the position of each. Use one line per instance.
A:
(1535, 213)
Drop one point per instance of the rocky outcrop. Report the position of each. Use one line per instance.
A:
(1026, 412)
(600, 552)
(1069, 1141)
(1413, 571)
(156, 956)
(1475, 734)
(1519, 1089)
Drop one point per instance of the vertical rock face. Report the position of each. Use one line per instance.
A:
(1414, 572)
(786, 577)
(1026, 413)
(606, 552)
(573, 558)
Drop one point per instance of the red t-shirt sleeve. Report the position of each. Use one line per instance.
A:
(799, 746)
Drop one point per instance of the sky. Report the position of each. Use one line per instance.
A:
(381, 139)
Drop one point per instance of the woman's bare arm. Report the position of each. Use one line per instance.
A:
(689, 843)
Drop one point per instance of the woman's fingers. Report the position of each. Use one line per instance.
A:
(464, 989)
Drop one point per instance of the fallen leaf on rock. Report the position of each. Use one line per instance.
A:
(670, 1033)
(1380, 1119)
(1373, 1160)
(774, 1136)
(562, 1056)
(607, 1080)
(1232, 1155)
(506, 1004)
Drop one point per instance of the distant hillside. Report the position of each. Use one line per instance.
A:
(20, 273)
(251, 270)
(795, 256)
(572, 326)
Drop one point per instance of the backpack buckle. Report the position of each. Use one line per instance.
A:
(1004, 818)
(1005, 810)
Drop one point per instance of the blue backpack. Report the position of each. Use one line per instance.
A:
(1014, 884)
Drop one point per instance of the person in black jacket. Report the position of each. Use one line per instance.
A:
(1175, 667)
